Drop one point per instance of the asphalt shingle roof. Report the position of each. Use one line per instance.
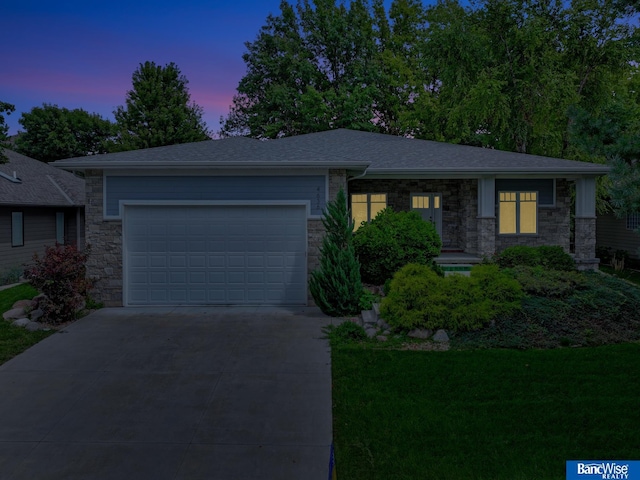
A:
(382, 154)
(40, 185)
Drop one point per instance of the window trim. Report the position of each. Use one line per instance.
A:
(17, 229)
(633, 221)
(368, 203)
(517, 233)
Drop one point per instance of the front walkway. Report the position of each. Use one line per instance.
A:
(171, 393)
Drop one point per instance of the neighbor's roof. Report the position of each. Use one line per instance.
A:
(381, 155)
(25, 181)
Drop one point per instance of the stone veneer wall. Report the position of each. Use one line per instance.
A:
(553, 224)
(105, 238)
(459, 204)
(585, 254)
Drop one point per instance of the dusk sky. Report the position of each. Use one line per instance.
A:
(81, 54)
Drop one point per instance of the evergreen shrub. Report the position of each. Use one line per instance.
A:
(336, 286)
(552, 257)
(419, 298)
(391, 241)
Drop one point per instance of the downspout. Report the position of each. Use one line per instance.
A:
(359, 176)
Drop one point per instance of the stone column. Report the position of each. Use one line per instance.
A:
(585, 224)
(486, 236)
(337, 180)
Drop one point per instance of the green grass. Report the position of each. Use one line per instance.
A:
(626, 274)
(15, 340)
(484, 414)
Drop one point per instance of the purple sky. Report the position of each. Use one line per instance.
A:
(81, 54)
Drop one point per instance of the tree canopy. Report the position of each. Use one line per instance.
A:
(52, 133)
(158, 110)
(500, 73)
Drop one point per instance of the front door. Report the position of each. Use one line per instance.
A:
(429, 205)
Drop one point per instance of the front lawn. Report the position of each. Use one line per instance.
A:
(15, 340)
(483, 414)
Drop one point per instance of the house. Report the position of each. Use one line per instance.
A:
(39, 206)
(238, 220)
(619, 234)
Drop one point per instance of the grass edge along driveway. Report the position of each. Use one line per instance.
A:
(15, 340)
(484, 414)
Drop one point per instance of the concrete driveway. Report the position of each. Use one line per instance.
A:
(171, 393)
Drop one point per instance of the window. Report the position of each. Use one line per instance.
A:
(60, 228)
(633, 221)
(17, 229)
(365, 206)
(518, 213)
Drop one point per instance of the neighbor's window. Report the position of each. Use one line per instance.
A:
(633, 221)
(518, 213)
(365, 206)
(60, 227)
(17, 229)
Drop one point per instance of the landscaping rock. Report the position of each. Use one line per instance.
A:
(38, 300)
(383, 325)
(441, 336)
(14, 314)
(382, 338)
(420, 333)
(33, 326)
(36, 314)
(22, 304)
(376, 308)
(369, 317)
(21, 322)
(371, 332)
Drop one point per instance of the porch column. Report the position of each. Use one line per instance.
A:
(486, 216)
(585, 226)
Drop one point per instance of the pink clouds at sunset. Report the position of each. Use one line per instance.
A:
(82, 54)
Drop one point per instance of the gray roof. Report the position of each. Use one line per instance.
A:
(381, 155)
(39, 184)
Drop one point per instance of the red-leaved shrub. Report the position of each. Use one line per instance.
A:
(61, 275)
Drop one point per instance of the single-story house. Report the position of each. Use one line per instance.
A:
(238, 220)
(39, 206)
(617, 234)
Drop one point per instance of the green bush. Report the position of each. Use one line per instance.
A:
(391, 241)
(552, 257)
(346, 332)
(544, 282)
(336, 286)
(11, 275)
(419, 298)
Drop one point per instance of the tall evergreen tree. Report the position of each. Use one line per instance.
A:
(336, 286)
(4, 128)
(158, 110)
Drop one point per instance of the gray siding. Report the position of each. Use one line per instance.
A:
(611, 232)
(39, 232)
(544, 187)
(239, 188)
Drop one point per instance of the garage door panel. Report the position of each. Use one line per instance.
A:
(215, 255)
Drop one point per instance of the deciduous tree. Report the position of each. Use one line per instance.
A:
(52, 133)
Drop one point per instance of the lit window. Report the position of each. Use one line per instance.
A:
(518, 213)
(17, 229)
(365, 207)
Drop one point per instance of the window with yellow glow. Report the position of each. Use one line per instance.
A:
(365, 207)
(518, 213)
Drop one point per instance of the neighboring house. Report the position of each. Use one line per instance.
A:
(616, 233)
(39, 206)
(238, 221)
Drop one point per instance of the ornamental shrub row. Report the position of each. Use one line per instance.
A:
(551, 257)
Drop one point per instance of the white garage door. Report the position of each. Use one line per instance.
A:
(215, 255)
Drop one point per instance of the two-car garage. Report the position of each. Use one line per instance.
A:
(214, 254)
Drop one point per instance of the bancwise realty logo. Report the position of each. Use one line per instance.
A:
(603, 470)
